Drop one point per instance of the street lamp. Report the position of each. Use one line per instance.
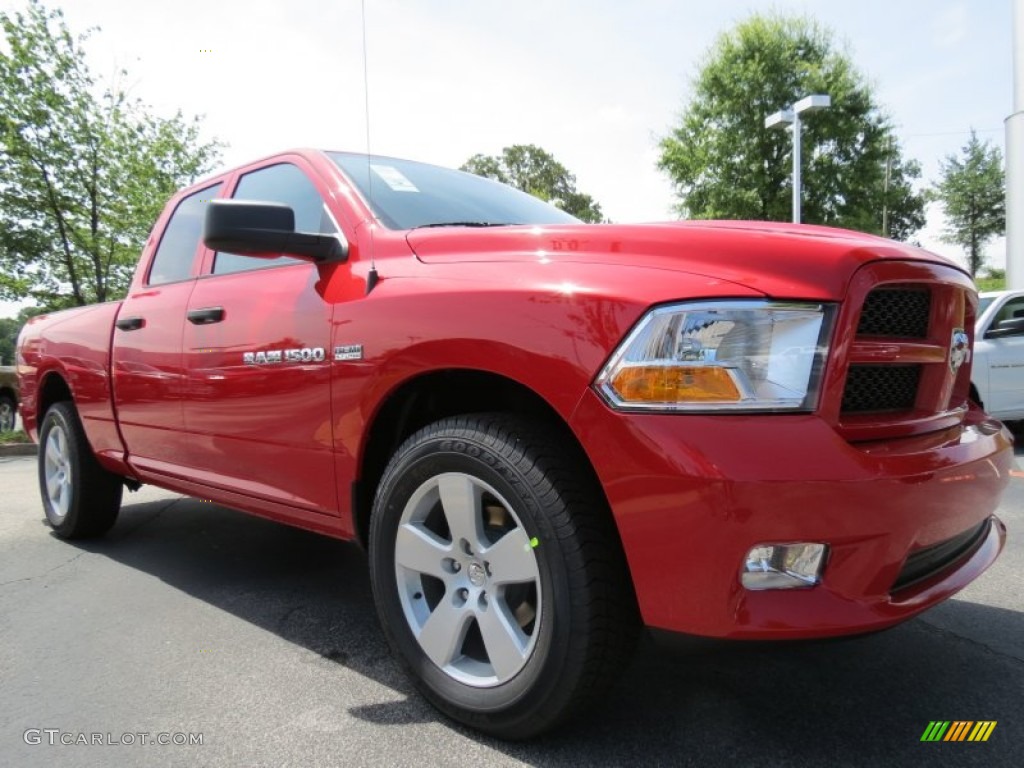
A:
(791, 116)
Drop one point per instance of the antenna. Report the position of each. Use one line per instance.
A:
(371, 277)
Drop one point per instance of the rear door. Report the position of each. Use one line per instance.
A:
(256, 340)
(148, 368)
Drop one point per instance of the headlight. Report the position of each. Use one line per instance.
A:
(721, 355)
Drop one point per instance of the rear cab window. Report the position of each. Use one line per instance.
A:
(176, 252)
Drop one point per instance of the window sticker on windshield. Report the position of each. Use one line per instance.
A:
(394, 178)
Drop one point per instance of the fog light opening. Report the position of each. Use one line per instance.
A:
(783, 566)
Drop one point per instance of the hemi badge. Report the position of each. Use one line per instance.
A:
(349, 352)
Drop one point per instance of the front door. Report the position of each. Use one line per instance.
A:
(256, 340)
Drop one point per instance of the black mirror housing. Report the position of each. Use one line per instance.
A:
(265, 230)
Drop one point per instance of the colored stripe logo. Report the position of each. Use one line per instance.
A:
(959, 730)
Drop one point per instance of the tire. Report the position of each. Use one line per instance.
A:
(498, 574)
(80, 498)
(8, 413)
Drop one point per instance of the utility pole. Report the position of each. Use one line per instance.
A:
(1015, 160)
(885, 189)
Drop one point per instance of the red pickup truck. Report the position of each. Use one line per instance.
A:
(547, 434)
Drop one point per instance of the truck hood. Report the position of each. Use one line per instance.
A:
(781, 260)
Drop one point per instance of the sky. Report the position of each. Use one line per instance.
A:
(594, 82)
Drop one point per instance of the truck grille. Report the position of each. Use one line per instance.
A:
(881, 388)
(901, 312)
(894, 373)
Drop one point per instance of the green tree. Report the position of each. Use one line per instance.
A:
(531, 169)
(725, 164)
(10, 327)
(84, 172)
(972, 193)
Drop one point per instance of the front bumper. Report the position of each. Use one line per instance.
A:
(692, 494)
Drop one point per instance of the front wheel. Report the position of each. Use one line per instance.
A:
(498, 575)
(80, 498)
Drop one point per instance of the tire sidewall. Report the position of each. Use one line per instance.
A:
(541, 675)
(56, 417)
(13, 409)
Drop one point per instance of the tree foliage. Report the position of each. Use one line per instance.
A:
(726, 164)
(10, 327)
(84, 172)
(531, 169)
(972, 193)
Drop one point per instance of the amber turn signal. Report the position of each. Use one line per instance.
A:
(675, 384)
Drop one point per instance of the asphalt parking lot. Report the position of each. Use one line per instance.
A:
(192, 619)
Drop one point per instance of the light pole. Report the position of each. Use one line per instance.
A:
(791, 116)
(1015, 160)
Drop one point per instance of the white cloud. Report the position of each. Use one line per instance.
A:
(951, 26)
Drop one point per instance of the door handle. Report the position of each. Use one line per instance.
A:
(206, 316)
(130, 323)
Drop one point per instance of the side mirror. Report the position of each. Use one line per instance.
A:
(265, 230)
(1014, 326)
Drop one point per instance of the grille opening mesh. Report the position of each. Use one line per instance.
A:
(898, 312)
(881, 388)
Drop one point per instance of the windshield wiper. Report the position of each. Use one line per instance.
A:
(467, 224)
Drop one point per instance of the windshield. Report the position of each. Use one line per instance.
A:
(405, 194)
(983, 303)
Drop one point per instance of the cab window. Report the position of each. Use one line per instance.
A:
(287, 184)
(177, 249)
(1011, 310)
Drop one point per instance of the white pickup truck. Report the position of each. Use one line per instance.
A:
(997, 379)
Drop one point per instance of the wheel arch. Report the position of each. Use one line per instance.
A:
(53, 388)
(8, 392)
(429, 397)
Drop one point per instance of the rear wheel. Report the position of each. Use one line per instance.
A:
(498, 574)
(8, 412)
(80, 498)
